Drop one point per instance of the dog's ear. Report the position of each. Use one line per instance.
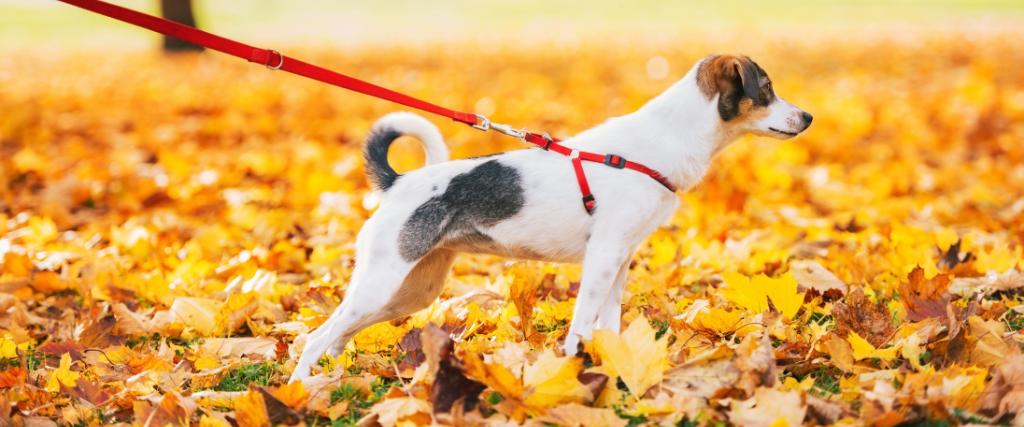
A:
(749, 77)
(719, 74)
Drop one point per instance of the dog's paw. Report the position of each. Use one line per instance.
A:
(571, 345)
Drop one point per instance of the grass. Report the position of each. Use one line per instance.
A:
(358, 403)
(253, 373)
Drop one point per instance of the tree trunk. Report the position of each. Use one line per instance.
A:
(179, 11)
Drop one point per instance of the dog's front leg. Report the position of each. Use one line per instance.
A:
(610, 316)
(606, 254)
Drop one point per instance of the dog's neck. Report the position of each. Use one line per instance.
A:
(677, 133)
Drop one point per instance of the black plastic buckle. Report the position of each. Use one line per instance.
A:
(589, 204)
(548, 139)
(608, 161)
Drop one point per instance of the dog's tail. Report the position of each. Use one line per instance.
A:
(386, 131)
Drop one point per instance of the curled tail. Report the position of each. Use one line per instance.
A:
(386, 131)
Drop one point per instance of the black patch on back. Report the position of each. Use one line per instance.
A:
(482, 197)
(375, 158)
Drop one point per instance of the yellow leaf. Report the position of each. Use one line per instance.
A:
(294, 395)
(251, 411)
(635, 356)
(664, 252)
(63, 375)
(8, 349)
(753, 295)
(495, 376)
(552, 381)
(862, 349)
(206, 362)
(946, 238)
(198, 313)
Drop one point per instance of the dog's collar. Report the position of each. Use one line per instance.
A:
(612, 160)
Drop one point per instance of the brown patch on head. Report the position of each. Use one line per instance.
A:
(741, 85)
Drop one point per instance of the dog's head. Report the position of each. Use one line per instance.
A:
(747, 103)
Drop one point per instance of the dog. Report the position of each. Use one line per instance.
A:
(524, 204)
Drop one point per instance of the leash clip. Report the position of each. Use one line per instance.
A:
(270, 58)
(485, 123)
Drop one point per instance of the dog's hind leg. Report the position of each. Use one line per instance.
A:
(419, 289)
(378, 294)
(610, 316)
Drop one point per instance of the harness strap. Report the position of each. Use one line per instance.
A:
(276, 61)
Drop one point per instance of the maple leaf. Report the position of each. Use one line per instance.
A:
(635, 356)
(62, 376)
(925, 298)
(525, 299)
(753, 294)
(450, 383)
(294, 395)
(859, 315)
(552, 380)
(811, 275)
(769, 407)
(862, 349)
(251, 411)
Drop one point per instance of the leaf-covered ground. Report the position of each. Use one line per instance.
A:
(172, 228)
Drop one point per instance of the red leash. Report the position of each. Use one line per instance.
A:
(276, 61)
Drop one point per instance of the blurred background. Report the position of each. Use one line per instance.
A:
(918, 110)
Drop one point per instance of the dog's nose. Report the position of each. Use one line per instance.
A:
(807, 118)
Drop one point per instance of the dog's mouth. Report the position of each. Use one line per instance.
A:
(783, 132)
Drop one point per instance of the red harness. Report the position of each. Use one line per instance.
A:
(276, 61)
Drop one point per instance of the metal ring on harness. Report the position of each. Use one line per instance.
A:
(270, 57)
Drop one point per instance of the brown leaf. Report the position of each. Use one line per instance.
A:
(869, 320)
(594, 381)
(925, 298)
(57, 349)
(128, 322)
(525, 299)
(173, 410)
(450, 384)
(99, 334)
(756, 362)
(827, 412)
(840, 350)
(88, 391)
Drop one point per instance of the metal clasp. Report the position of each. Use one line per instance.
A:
(486, 124)
(270, 58)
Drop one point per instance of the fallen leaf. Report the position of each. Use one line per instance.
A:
(753, 294)
(635, 356)
(574, 414)
(62, 376)
(767, 407)
(811, 275)
(859, 315)
(925, 298)
(251, 411)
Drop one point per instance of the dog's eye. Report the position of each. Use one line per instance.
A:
(768, 87)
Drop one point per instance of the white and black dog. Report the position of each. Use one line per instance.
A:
(525, 204)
